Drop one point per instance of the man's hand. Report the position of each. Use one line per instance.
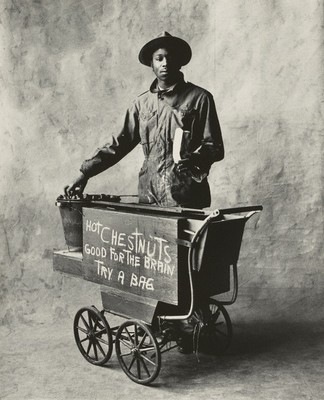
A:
(77, 187)
(186, 166)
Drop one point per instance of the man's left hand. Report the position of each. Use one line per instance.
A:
(186, 166)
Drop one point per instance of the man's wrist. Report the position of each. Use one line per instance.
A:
(83, 176)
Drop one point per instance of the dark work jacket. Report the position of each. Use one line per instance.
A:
(152, 120)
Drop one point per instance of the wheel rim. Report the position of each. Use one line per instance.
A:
(138, 352)
(216, 334)
(93, 335)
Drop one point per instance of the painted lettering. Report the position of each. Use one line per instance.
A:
(93, 226)
(121, 240)
(114, 237)
(121, 277)
(95, 251)
(142, 282)
(167, 258)
(104, 271)
(104, 235)
(130, 241)
(159, 266)
(161, 241)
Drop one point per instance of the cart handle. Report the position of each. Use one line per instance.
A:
(191, 267)
(237, 210)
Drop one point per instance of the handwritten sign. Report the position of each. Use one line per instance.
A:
(131, 252)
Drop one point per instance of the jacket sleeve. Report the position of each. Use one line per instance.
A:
(211, 148)
(116, 148)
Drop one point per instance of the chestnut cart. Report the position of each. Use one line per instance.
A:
(163, 270)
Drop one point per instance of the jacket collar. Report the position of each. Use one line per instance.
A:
(155, 89)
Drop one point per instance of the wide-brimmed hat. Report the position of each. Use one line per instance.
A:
(164, 39)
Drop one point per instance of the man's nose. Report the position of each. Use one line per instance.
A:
(165, 61)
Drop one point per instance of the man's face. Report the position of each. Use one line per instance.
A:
(165, 65)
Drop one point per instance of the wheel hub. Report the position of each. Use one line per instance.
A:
(135, 351)
(91, 335)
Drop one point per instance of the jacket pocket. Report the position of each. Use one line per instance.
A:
(186, 118)
(147, 122)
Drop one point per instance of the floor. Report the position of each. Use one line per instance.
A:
(265, 362)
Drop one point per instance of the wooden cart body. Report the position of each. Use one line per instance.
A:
(139, 257)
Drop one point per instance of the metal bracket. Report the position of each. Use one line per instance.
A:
(185, 243)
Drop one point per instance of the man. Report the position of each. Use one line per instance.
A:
(177, 126)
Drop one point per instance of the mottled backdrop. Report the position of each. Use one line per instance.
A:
(68, 70)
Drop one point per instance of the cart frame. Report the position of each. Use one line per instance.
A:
(139, 343)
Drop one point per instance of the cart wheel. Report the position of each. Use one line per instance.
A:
(138, 352)
(216, 333)
(93, 335)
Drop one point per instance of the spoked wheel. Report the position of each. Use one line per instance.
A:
(138, 352)
(93, 335)
(216, 332)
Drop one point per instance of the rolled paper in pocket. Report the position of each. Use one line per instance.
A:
(177, 141)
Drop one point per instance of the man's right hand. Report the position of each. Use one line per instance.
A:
(76, 188)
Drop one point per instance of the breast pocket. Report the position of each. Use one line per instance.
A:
(147, 121)
(186, 118)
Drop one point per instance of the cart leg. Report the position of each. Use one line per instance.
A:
(216, 329)
(138, 352)
(93, 335)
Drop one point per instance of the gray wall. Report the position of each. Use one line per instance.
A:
(68, 70)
